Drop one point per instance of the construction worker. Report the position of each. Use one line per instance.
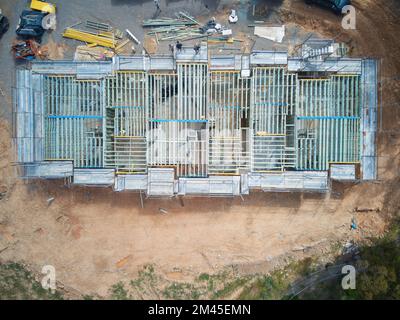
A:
(178, 46)
(171, 48)
(196, 48)
(157, 4)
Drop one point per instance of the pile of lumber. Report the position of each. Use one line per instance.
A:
(87, 53)
(183, 19)
(106, 39)
(101, 34)
(181, 28)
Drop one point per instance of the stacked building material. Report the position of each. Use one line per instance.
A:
(174, 33)
(181, 28)
(183, 19)
(87, 53)
(98, 25)
(105, 40)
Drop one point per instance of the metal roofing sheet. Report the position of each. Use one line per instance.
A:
(131, 182)
(343, 171)
(341, 66)
(48, 169)
(269, 57)
(161, 182)
(103, 177)
(369, 119)
(214, 185)
(290, 180)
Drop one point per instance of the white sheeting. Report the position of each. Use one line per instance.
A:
(271, 33)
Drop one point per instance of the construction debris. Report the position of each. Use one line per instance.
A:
(211, 27)
(49, 22)
(359, 209)
(104, 35)
(223, 39)
(182, 28)
(130, 34)
(353, 225)
(86, 53)
(150, 45)
(27, 50)
(186, 28)
(43, 6)
(98, 26)
(54, 50)
(350, 248)
(118, 33)
(173, 33)
(50, 200)
(123, 261)
(121, 45)
(183, 19)
(233, 18)
(271, 33)
(103, 39)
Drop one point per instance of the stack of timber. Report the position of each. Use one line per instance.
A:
(102, 39)
(181, 28)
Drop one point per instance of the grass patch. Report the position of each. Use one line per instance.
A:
(230, 287)
(179, 291)
(18, 283)
(118, 292)
(377, 272)
(272, 287)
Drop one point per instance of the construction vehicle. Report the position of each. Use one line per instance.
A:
(33, 23)
(30, 24)
(335, 5)
(4, 24)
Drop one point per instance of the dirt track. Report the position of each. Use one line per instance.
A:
(95, 237)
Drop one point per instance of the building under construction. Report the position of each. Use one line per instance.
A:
(198, 124)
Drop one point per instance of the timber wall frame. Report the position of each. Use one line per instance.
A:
(253, 115)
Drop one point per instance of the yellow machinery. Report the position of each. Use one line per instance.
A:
(43, 6)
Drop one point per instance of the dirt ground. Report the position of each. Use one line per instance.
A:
(95, 237)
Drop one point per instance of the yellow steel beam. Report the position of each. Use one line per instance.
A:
(89, 38)
(43, 6)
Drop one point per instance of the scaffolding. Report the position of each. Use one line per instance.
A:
(74, 120)
(272, 116)
(185, 125)
(126, 121)
(328, 122)
(229, 103)
(178, 125)
(203, 122)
